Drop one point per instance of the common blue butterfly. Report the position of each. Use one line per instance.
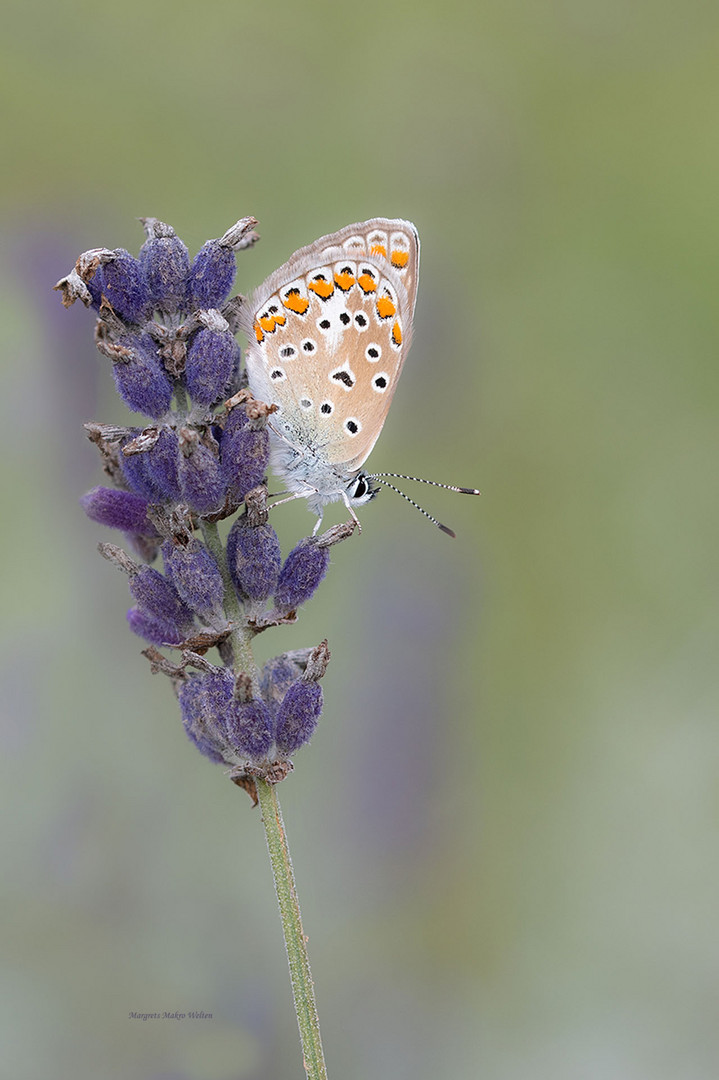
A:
(328, 336)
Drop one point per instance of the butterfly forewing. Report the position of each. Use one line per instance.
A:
(329, 332)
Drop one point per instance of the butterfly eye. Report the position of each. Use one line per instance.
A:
(361, 488)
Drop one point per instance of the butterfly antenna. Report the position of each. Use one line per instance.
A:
(421, 509)
(420, 480)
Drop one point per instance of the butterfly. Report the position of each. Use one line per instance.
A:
(329, 332)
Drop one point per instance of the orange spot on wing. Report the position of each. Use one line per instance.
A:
(323, 288)
(400, 259)
(345, 281)
(385, 307)
(280, 320)
(397, 334)
(267, 323)
(294, 302)
(258, 332)
(366, 283)
(378, 249)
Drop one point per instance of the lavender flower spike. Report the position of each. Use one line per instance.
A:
(166, 324)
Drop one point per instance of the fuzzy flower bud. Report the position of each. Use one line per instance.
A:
(248, 729)
(254, 559)
(211, 359)
(162, 465)
(213, 269)
(297, 715)
(279, 674)
(148, 626)
(201, 485)
(166, 264)
(244, 454)
(139, 376)
(159, 597)
(134, 470)
(119, 509)
(195, 575)
(304, 569)
(122, 282)
(203, 700)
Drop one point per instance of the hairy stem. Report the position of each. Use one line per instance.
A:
(295, 942)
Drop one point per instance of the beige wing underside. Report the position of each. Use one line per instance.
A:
(329, 332)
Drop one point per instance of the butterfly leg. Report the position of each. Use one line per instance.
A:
(348, 504)
(291, 498)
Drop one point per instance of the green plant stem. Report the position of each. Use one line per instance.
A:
(295, 942)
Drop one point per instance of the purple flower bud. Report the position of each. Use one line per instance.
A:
(210, 363)
(304, 569)
(162, 465)
(140, 378)
(196, 576)
(248, 728)
(254, 559)
(119, 509)
(203, 743)
(211, 276)
(201, 485)
(122, 283)
(159, 598)
(166, 264)
(94, 287)
(134, 469)
(244, 454)
(203, 699)
(213, 269)
(298, 715)
(149, 627)
(278, 675)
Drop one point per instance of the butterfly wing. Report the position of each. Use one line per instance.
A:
(329, 332)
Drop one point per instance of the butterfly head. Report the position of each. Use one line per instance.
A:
(360, 489)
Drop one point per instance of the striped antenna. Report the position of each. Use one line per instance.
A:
(384, 483)
(434, 483)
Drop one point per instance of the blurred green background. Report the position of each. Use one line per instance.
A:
(505, 830)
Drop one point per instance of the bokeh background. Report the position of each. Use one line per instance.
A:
(505, 830)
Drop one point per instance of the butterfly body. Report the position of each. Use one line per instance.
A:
(328, 335)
